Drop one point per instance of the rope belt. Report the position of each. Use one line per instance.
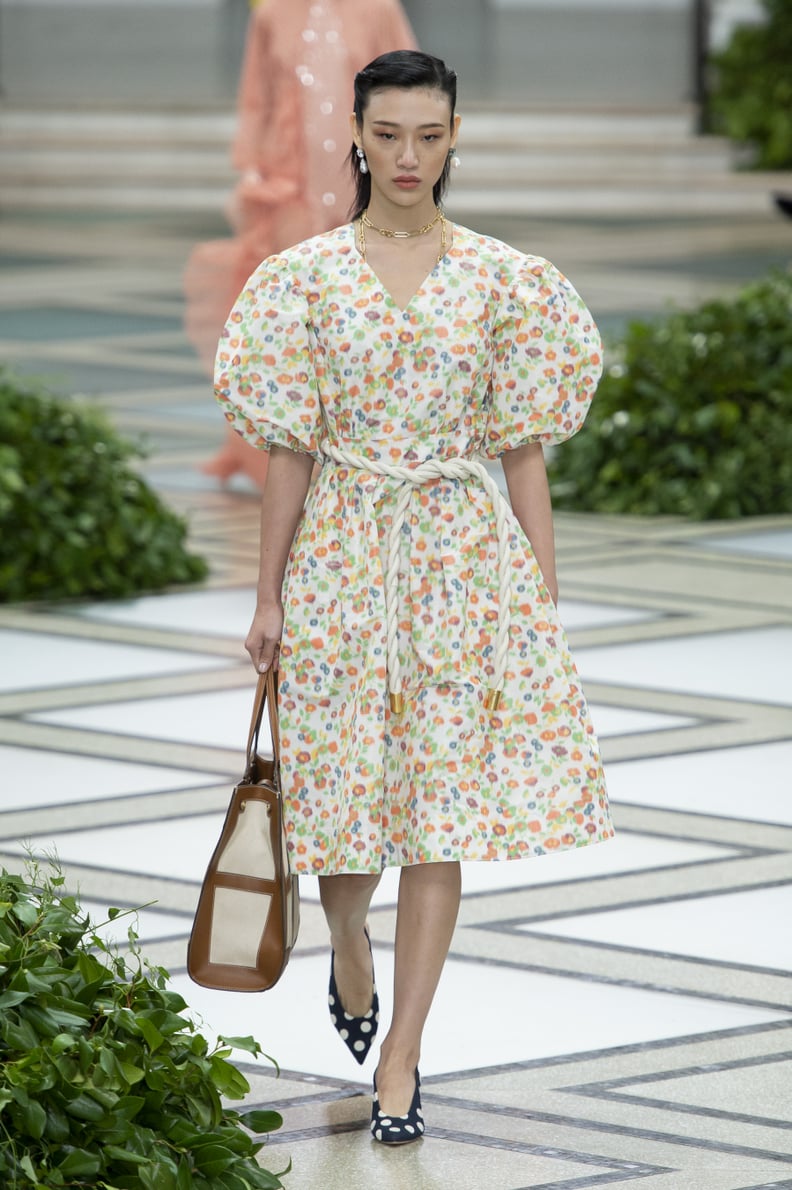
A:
(408, 479)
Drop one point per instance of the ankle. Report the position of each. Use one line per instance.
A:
(397, 1059)
(348, 938)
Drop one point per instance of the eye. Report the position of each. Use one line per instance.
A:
(385, 135)
(431, 136)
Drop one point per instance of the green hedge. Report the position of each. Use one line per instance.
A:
(75, 517)
(104, 1082)
(751, 91)
(695, 419)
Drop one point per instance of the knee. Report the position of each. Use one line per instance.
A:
(350, 880)
(448, 874)
(347, 886)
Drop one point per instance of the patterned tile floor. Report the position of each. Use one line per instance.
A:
(618, 1015)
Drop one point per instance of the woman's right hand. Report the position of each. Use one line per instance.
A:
(263, 639)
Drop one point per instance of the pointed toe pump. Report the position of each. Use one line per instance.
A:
(398, 1130)
(356, 1032)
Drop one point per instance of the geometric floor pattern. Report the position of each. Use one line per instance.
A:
(621, 1015)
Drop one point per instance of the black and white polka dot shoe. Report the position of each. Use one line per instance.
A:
(398, 1130)
(356, 1032)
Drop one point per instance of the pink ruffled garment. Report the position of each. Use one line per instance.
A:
(291, 144)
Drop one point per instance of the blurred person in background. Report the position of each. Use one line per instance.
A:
(295, 96)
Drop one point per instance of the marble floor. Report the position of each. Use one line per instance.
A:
(615, 1015)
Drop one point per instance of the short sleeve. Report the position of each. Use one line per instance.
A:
(547, 362)
(265, 380)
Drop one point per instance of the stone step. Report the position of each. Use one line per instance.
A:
(541, 201)
(524, 162)
(492, 165)
(487, 127)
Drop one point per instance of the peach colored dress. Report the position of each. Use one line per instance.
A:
(292, 140)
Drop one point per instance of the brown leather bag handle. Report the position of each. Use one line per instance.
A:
(266, 693)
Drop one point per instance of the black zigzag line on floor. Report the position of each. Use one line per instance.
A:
(684, 1072)
(659, 1046)
(688, 1109)
(587, 1125)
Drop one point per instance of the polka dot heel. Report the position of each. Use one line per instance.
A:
(398, 1130)
(356, 1032)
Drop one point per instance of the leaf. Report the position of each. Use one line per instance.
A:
(201, 1112)
(158, 1177)
(26, 913)
(80, 1164)
(62, 1043)
(11, 999)
(228, 1080)
(106, 1099)
(262, 1121)
(18, 1035)
(249, 1044)
(58, 1127)
(27, 1167)
(129, 1107)
(83, 1107)
(231, 1181)
(213, 1159)
(34, 1119)
(127, 1156)
(151, 1033)
(132, 1073)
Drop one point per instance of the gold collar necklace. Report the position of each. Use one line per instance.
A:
(440, 218)
(401, 235)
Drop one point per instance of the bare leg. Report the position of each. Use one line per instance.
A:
(428, 906)
(345, 900)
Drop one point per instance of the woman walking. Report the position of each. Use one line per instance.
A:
(430, 711)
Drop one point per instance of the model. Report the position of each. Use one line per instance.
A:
(430, 710)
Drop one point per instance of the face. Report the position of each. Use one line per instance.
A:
(406, 136)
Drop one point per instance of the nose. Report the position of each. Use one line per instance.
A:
(408, 156)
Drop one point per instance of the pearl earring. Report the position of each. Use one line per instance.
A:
(455, 161)
(362, 163)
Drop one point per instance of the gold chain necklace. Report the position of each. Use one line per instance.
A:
(365, 222)
(401, 235)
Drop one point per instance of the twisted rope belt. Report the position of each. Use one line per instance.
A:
(409, 478)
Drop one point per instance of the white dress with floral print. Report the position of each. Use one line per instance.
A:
(495, 350)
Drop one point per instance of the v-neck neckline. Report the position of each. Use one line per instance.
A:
(376, 277)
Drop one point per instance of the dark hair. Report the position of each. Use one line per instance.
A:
(410, 70)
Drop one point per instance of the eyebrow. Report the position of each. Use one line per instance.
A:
(393, 124)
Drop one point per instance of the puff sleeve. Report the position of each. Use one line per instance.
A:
(265, 379)
(546, 364)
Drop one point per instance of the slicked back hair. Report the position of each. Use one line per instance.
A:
(409, 70)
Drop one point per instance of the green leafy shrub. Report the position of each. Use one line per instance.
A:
(103, 1082)
(696, 420)
(75, 518)
(751, 94)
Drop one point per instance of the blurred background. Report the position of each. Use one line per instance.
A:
(576, 112)
(185, 54)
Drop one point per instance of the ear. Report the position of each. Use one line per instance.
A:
(355, 131)
(457, 120)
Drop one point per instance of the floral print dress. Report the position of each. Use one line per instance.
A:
(494, 350)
